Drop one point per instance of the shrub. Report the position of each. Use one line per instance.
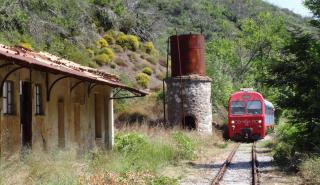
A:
(74, 53)
(113, 65)
(102, 59)
(120, 62)
(108, 51)
(143, 79)
(148, 71)
(185, 145)
(93, 65)
(117, 48)
(101, 43)
(143, 56)
(128, 41)
(152, 60)
(25, 45)
(90, 52)
(129, 143)
(109, 38)
(133, 57)
(164, 181)
(148, 47)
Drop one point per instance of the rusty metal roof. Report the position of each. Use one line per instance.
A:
(50, 63)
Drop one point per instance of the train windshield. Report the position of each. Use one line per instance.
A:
(254, 107)
(238, 107)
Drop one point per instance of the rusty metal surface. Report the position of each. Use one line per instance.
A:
(52, 64)
(255, 179)
(189, 50)
(224, 167)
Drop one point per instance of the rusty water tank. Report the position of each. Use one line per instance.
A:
(190, 47)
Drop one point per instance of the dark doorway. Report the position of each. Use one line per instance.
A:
(26, 114)
(190, 122)
(77, 123)
(61, 134)
(98, 113)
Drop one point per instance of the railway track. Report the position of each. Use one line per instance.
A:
(254, 170)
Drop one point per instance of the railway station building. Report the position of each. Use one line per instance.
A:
(47, 102)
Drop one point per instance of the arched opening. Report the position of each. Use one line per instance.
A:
(190, 122)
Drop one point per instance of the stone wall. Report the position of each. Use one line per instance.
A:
(196, 98)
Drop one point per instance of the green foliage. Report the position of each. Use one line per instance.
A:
(90, 52)
(101, 43)
(108, 51)
(73, 53)
(109, 38)
(102, 59)
(118, 48)
(25, 45)
(148, 47)
(314, 6)
(143, 79)
(129, 143)
(164, 181)
(185, 145)
(159, 96)
(147, 70)
(310, 170)
(116, 5)
(146, 155)
(128, 41)
(294, 75)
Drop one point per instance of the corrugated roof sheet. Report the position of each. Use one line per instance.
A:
(47, 62)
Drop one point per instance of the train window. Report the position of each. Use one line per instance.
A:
(254, 107)
(238, 107)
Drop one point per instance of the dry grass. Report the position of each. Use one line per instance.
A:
(102, 167)
(310, 170)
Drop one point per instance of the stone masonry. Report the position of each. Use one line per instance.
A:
(196, 96)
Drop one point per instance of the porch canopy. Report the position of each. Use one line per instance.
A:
(49, 63)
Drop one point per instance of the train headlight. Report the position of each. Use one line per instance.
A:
(232, 121)
(259, 121)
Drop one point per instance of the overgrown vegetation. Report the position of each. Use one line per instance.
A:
(294, 74)
(138, 158)
(249, 44)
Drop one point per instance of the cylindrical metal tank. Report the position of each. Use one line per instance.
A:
(189, 50)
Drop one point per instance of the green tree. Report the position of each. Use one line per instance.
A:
(296, 75)
(314, 6)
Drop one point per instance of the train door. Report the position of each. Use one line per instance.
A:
(26, 114)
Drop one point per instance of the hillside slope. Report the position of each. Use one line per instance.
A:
(71, 28)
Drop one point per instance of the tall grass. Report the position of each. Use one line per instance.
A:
(139, 156)
(310, 170)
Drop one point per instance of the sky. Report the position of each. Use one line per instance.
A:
(293, 5)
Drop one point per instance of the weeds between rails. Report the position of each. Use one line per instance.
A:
(223, 169)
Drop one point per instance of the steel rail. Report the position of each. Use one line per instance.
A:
(225, 165)
(255, 177)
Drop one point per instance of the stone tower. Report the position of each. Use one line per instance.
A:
(188, 89)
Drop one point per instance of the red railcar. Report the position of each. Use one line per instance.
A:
(249, 115)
